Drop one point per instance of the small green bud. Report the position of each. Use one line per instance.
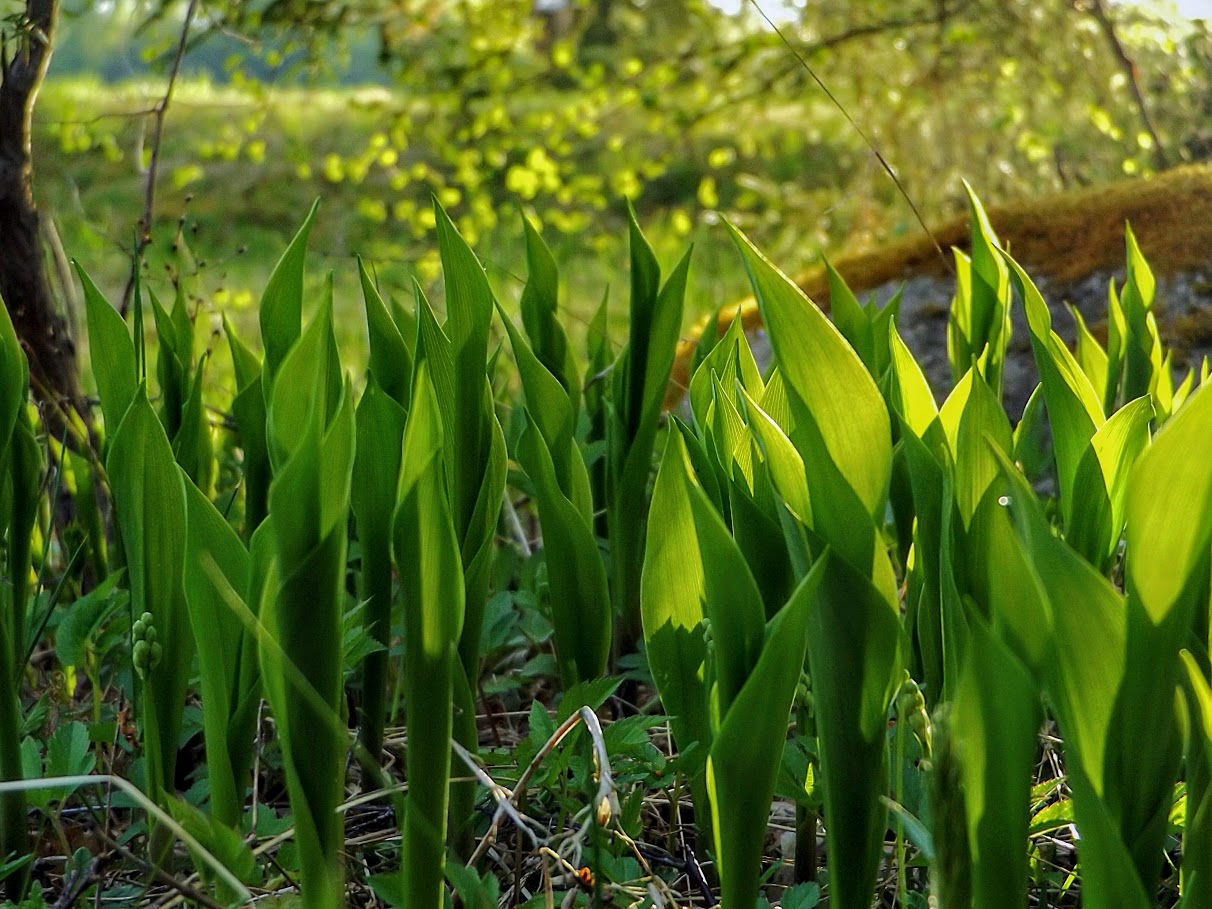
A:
(141, 657)
(911, 707)
(146, 650)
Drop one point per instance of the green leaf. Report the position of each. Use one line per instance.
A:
(579, 595)
(281, 312)
(1032, 444)
(1117, 331)
(390, 360)
(972, 417)
(743, 764)
(801, 896)
(312, 439)
(1100, 486)
(641, 378)
(995, 720)
(783, 461)
(249, 410)
(427, 552)
(854, 658)
(554, 416)
(84, 618)
(1089, 630)
(645, 314)
(193, 446)
(171, 367)
(311, 387)
(912, 398)
(217, 576)
(1169, 513)
(1142, 345)
(1075, 411)
(849, 317)
(149, 499)
(730, 357)
(380, 422)
(672, 599)
(592, 693)
(67, 754)
(22, 494)
(826, 379)
(112, 354)
(469, 306)
(434, 347)
(1001, 577)
(1197, 833)
(475, 463)
(539, 306)
(221, 841)
(1055, 816)
(729, 436)
(980, 317)
(775, 403)
(732, 602)
(1115, 710)
(1092, 358)
(13, 375)
(304, 604)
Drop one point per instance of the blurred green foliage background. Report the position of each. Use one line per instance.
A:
(690, 108)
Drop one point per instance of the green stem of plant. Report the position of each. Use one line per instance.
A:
(902, 883)
(626, 561)
(14, 833)
(376, 590)
(806, 857)
(159, 838)
(675, 814)
(466, 732)
(90, 517)
(430, 684)
(462, 794)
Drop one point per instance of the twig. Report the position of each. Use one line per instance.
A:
(184, 890)
(501, 795)
(606, 801)
(556, 737)
(159, 112)
(694, 871)
(1102, 16)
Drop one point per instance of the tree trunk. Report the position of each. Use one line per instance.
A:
(24, 284)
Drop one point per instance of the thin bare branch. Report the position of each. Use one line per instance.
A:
(159, 113)
(1098, 10)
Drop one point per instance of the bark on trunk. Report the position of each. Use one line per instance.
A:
(24, 284)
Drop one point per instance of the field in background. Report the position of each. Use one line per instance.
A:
(241, 166)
